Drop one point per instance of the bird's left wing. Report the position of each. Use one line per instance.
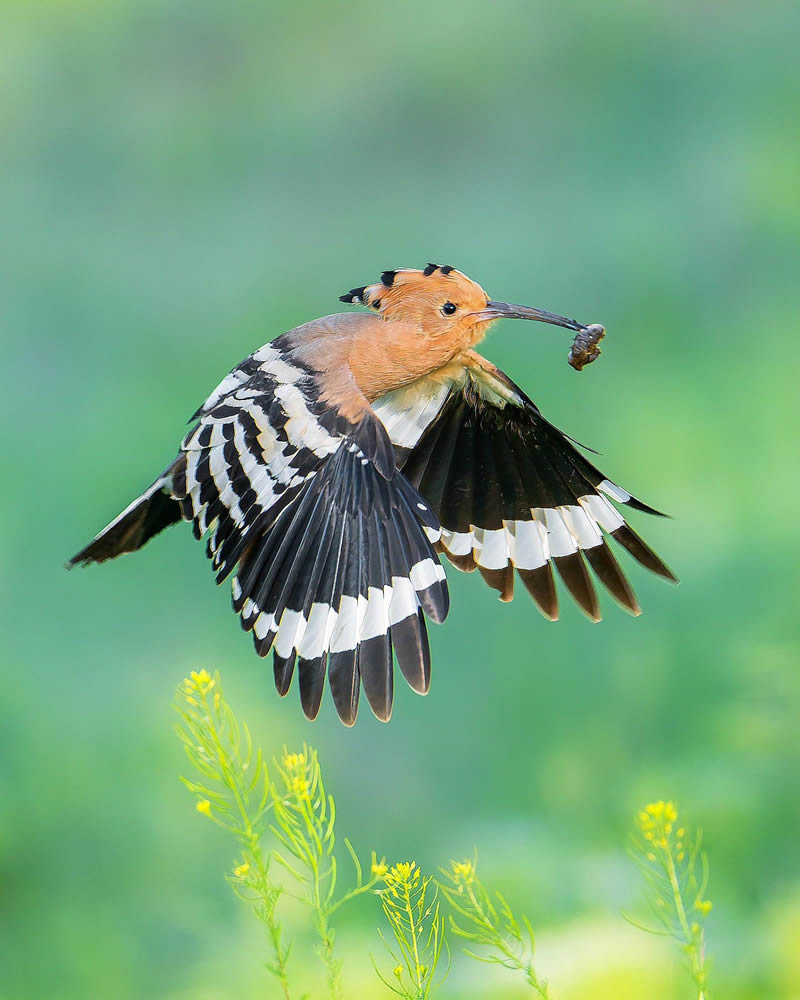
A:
(511, 491)
(292, 479)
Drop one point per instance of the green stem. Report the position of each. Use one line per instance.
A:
(228, 776)
(358, 891)
(413, 929)
(250, 838)
(497, 939)
(676, 894)
(311, 857)
(698, 973)
(499, 942)
(331, 964)
(273, 924)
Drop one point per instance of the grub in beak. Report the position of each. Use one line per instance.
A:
(584, 348)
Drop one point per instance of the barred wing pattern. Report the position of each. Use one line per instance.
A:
(336, 566)
(511, 491)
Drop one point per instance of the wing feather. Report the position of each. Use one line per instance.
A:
(512, 492)
(294, 485)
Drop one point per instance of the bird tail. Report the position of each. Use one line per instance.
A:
(149, 513)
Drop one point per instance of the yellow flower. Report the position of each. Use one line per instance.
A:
(401, 874)
(241, 870)
(204, 807)
(379, 869)
(704, 906)
(299, 771)
(463, 872)
(398, 971)
(294, 761)
(200, 681)
(656, 822)
(297, 785)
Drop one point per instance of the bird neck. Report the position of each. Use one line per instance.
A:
(386, 355)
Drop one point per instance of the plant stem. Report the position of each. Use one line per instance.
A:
(413, 929)
(501, 944)
(331, 964)
(250, 838)
(698, 973)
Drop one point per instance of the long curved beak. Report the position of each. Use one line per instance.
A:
(505, 310)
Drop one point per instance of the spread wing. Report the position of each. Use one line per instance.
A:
(511, 491)
(331, 546)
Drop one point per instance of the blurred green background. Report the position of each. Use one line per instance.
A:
(182, 181)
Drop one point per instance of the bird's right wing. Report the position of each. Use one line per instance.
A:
(511, 491)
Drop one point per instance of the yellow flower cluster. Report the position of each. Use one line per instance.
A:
(294, 761)
(241, 870)
(404, 874)
(204, 807)
(656, 822)
(462, 873)
(379, 869)
(198, 682)
(296, 767)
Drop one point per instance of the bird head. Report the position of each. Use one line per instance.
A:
(443, 302)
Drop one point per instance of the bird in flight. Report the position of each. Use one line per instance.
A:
(332, 467)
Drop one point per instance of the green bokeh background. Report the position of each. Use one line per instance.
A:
(182, 181)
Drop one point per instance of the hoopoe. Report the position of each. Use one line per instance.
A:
(332, 467)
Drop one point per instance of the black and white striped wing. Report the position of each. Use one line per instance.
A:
(511, 491)
(332, 548)
(249, 456)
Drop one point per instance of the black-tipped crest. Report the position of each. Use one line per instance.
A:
(445, 269)
(356, 295)
(419, 295)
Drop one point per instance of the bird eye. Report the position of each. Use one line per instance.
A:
(449, 308)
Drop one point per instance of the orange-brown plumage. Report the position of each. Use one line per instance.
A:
(330, 469)
(406, 337)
